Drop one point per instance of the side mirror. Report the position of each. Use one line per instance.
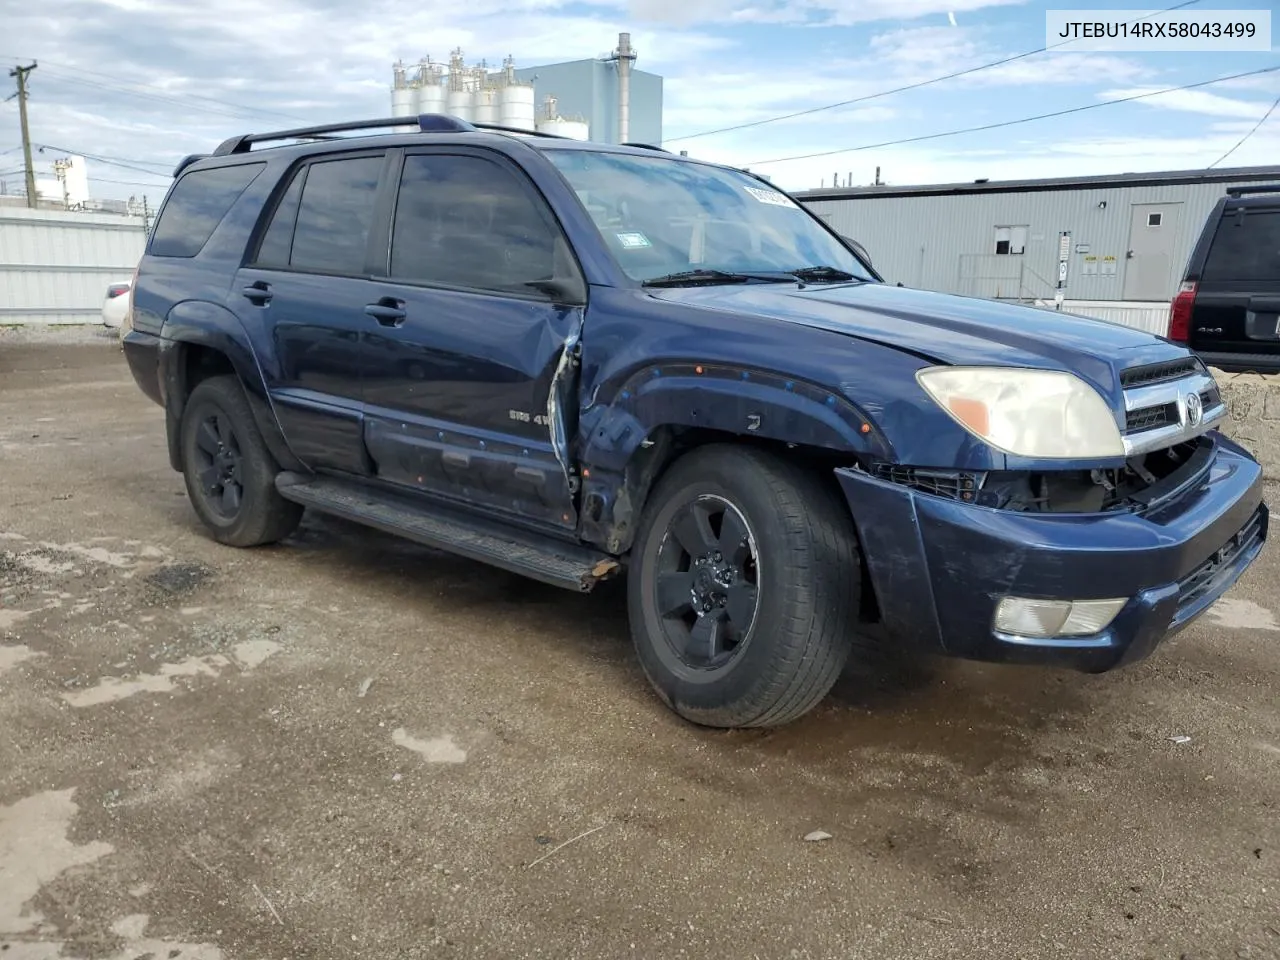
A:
(857, 248)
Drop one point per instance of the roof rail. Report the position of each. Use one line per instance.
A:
(426, 123)
(187, 161)
(1238, 191)
(503, 128)
(644, 146)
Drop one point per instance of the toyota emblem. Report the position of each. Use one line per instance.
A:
(1195, 410)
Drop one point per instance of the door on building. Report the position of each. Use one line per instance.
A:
(1149, 267)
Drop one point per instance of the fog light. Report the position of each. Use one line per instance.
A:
(1023, 617)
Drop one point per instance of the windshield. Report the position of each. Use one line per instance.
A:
(661, 217)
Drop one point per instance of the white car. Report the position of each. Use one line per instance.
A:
(115, 308)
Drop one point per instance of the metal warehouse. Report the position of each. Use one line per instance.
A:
(1106, 246)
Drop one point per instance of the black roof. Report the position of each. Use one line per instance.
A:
(1106, 181)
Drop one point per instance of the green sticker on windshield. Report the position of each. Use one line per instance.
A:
(633, 241)
(770, 196)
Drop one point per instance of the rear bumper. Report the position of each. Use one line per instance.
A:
(1243, 362)
(940, 566)
(142, 352)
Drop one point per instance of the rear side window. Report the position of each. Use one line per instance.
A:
(1246, 248)
(196, 206)
(334, 216)
(278, 240)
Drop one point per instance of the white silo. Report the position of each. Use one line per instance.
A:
(459, 104)
(487, 107)
(460, 99)
(402, 102)
(517, 106)
(565, 127)
(430, 93)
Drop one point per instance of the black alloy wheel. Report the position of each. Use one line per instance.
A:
(706, 589)
(219, 465)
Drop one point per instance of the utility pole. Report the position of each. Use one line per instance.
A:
(21, 74)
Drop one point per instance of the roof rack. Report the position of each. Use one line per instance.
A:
(1239, 191)
(426, 122)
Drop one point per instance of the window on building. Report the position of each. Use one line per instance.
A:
(1155, 219)
(1011, 240)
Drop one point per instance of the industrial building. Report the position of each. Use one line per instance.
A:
(1107, 246)
(604, 99)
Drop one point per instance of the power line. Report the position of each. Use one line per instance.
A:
(125, 183)
(67, 72)
(910, 86)
(1011, 123)
(1241, 141)
(109, 161)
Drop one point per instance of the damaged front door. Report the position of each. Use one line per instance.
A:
(469, 349)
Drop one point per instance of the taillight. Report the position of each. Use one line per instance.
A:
(1180, 313)
(127, 324)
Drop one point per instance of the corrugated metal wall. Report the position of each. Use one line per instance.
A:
(947, 243)
(55, 265)
(589, 88)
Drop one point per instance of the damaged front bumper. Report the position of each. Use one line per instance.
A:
(941, 566)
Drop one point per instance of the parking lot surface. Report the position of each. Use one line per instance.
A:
(351, 746)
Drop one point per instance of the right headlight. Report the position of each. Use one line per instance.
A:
(1046, 414)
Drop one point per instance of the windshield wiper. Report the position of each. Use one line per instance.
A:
(821, 274)
(688, 277)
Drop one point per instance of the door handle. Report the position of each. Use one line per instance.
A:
(388, 311)
(258, 292)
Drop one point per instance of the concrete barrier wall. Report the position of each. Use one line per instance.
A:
(1253, 405)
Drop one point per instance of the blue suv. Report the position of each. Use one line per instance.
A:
(573, 360)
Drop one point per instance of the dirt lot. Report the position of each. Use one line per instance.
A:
(346, 746)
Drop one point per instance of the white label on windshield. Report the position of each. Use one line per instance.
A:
(769, 196)
(633, 241)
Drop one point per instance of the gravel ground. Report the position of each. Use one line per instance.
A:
(348, 746)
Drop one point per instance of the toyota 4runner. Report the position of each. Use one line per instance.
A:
(573, 360)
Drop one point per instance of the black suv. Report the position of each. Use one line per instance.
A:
(1228, 308)
(571, 359)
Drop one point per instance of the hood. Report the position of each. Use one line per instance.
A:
(941, 328)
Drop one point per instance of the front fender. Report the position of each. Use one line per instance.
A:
(753, 403)
(198, 323)
(728, 399)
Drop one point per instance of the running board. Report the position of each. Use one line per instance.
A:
(550, 561)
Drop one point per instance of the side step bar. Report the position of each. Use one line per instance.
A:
(559, 564)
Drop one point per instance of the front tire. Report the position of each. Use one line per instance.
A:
(229, 472)
(743, 588)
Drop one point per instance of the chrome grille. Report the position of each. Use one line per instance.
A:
(1160, 412)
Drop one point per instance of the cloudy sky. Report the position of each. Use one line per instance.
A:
(139, 83)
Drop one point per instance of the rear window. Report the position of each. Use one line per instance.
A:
(196, 206)
(1246, 247)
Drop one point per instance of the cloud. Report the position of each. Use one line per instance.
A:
(1192, 101)
(826, 12)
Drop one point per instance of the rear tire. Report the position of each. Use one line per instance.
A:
(229, 472)
(743, 588)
